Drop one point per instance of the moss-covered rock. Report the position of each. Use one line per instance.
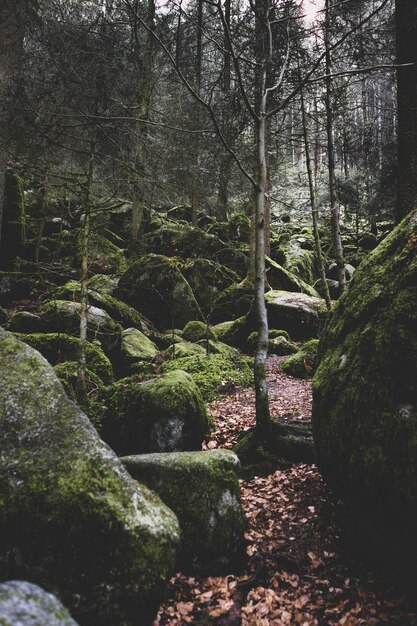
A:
(299, 314)
(137, 347)
(302, 364)
(25, 322)
(103, 283)
(275, 332)
(119, 311)
(165, 414)
(365, 390)
(63, 316)
(203, 491)
(26, 604)
(58, 347)
(184, 349)
(282, 279)
(4, 316)
(155, 286)
(67, 374)
(105, 257)
(278, 344)
(214, 373)
(196, 331)
(233, 302)
(71, 518)
(222, 329)
(207, 279)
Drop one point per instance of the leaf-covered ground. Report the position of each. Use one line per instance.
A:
(301, 568)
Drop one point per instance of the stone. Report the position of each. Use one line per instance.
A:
(59, 347)
(365, 390)
(202, 489)
(184, 349)
(71, 519)
(105, 257)
(25, 604)
(63, 316)
(299, 314)
(282, 279)
(155, 286)
(137, 347)
(302, 364)
(164, 414)
(207, 279)
(195, 331)
(25, 322)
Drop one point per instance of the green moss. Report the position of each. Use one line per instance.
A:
(274, 333)
(94, 408)
(233, 302)
(137, 347)
(214, 372)
(303, 363)
(195, 331)
(183, 349)
(206, 279)
(277, 344)
(58, 347)
(280, 278)
(203, 491)
(365, 393)
(105, 257)
(159, 415)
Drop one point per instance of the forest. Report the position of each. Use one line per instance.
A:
(208, 312)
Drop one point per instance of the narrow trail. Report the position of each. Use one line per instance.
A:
(300, 568)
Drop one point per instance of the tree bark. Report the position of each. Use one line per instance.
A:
(406, 32)
(334, 201)
(11, 43)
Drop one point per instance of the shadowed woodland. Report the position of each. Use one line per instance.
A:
(208, 307)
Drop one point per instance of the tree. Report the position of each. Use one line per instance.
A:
(406, 33)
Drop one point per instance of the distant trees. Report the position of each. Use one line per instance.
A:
(406, 31)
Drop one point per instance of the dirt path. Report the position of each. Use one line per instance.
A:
(299, 569)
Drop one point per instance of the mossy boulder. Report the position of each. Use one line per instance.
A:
(156, 287)
(214, 373)
(302, 364)
(104, 256)
(25, 322)
(67, 374)
(103, 283)
(233, 302)
(282, 279)
(196, 331)
(365, 389)
(121, 312)
(26, 604)
(164, 414)
(63, 316)
(278, 345)
(137, 347)
(202, 489)
(207, 279)
(58, 348)
(71, 519)
(183, 349)
(299, 314)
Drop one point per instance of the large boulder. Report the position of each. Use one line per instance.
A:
(365, 387)
(26, 604)
(280, 278)
(202, 489)
(156, 287)
(302, 364)
(63, 316)
(299, 314)
(71, 518)
(206, 279)
(164, 414)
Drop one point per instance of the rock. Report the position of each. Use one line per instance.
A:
(235, 301)
(4, 316)
(299, 314)
(105, 257)
(26, 604)
(332, 271)
(71, 518)
(137, 347)
(207, 279)
(25, 322)
(278, 345)
(202, 489)
(155, 286)
(184, 349)
(302, 364)
(121, 312)
(365, 390)
(164, 414)
(196, 331)
(104, 284)
(368, 242)
(62, 316)
(282, 279)
(214, 373)
(58, 348)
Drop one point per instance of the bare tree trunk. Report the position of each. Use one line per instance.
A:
(334, 202)
(11, 42)
(139, 184)
(80, 388)
(43, 202)
(195, 182)
(314, 211)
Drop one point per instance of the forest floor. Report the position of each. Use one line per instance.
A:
(301, 568)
